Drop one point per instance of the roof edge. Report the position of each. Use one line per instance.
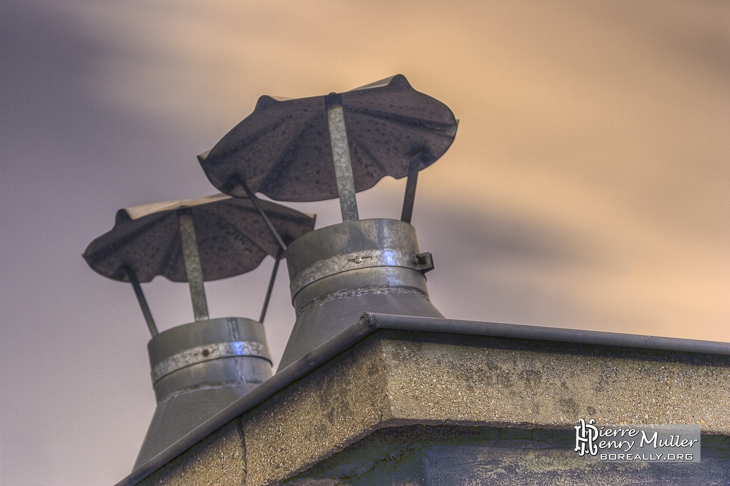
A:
(371, 322)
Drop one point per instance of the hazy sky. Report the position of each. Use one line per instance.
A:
(587, 186)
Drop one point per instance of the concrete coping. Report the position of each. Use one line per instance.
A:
(373, 322)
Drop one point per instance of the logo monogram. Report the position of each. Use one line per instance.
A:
(585, 435)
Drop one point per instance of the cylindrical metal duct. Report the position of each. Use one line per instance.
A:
(339, 272)
(197, 370)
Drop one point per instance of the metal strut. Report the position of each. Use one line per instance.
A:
(258, 207)
(341, 157)
(410, 195)
(140, 299)
(279, 254)
(193, 268)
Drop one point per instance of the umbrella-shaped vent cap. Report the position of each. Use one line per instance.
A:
(283, 148)
(231, 237)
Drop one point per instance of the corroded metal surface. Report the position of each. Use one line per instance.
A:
(283, 148)
(231, 238)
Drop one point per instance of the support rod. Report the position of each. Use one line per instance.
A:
(141, 300)
(341, 157)
(410, 195)
(193, 268)
(258, 207)
(279, 254)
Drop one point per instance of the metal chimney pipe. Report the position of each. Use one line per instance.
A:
(197, 370)
(339, 272)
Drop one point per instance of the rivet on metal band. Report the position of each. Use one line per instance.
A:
(200, 354)
(353, 261)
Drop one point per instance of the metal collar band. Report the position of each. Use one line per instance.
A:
(201, 354)
(353, 261)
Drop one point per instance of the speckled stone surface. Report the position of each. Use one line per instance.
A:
(419, 455)
(502, 381)
(217, 460)
(394, 379)
(319, 414)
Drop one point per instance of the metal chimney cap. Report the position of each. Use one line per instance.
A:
(231, 236)
(283, 148)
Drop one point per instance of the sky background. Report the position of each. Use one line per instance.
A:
(587, 186)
